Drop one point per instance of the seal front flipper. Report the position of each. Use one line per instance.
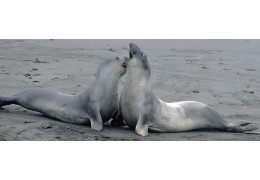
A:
(96, 120)
(142, 126)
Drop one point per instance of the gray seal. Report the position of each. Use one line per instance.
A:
(98, 104)
(143, 111)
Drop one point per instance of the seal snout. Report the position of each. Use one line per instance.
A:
(134, 49)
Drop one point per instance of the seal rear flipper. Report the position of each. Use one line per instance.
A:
(241, 128)
(4, 101)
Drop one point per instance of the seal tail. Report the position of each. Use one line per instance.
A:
(6, 101)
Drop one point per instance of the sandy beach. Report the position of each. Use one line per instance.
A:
(221, 73)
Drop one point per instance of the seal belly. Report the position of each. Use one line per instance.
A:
(66, 114)
(125, 108)
(67, 109)
(182, 116)
(109, 106)
(164, 118)
(53, 104)
(128, 109)
(129, 117)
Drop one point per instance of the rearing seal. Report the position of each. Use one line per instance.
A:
(143, 111)
(98, 104)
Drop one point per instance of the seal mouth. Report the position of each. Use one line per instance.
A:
(124, 65)
(125, 62)
(131, 54)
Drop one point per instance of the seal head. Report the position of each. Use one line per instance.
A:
(138, 58)
(115, 67)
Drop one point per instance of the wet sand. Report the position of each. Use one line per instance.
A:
(221, 73)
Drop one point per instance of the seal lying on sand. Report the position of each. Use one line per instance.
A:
(143, 111)
(96, 105)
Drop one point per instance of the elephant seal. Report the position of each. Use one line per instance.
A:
(143, 111)
(98, 104)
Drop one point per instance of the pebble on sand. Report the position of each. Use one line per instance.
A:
(250, 69)
(46, 126)
(203, 67)
(251, 92)
(196, 91)
(38, 61)
(111, 50)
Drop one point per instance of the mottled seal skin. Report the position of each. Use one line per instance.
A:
(98, 104)
(143, 111)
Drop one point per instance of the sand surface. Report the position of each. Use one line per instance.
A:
(224, 74)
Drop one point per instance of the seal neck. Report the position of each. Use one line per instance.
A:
(138, 78)
(107, 84)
